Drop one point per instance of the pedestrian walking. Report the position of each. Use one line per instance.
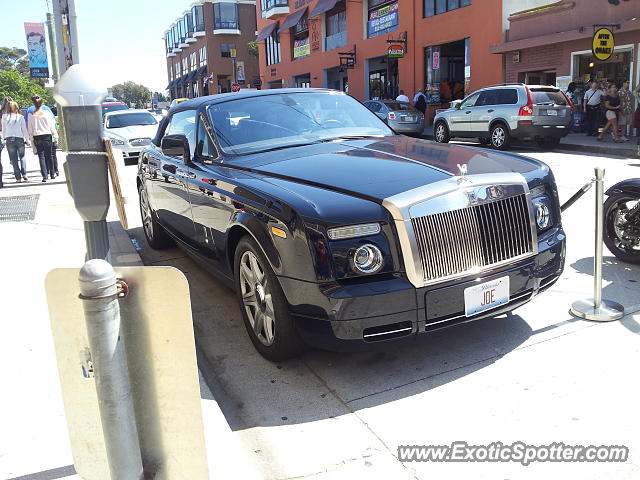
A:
(417, 96)
(16, 136)
(42, 129)
(45, 107)
(626, 110)
(612, 105)
(402, 97)
(421, 104)
(591, 104)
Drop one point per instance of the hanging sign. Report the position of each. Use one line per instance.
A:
(396, 51)
(603, 44)
(347, 62)
(38, 63)
(435, 60)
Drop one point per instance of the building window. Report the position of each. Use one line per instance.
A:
(188, 22)
(382, 17)
(225, 16)
(272, 44)
(182, 30)
(436, 7)
(336, 26)
(300, 36)
(167, 42)
(193, 59)
(269, 4)
(203, 56)
(177, 67)
(225, 49)
(174, 36)
(185, 65)
(197, 14)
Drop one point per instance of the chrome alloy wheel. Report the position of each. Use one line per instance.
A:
(440, 133)
(145, 213)
(256, 297)
(498, 136)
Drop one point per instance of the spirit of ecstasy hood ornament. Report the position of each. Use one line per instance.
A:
(462, 168)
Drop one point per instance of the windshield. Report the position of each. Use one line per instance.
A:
(399, 106)
(129, 119)
(549, 97)
(113, 108)
(256, 124)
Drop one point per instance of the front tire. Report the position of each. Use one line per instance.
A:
(622, 239)
(155, 234)
(499, 136)
(262, 302)
(441, 133)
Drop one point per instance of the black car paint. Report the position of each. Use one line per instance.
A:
(306, 190)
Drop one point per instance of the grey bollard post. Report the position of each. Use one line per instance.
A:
(597, 308)
(98, 289)
(80, 94)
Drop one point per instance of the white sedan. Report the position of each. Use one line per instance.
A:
(130, 131)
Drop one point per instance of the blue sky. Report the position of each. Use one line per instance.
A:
(120, 38)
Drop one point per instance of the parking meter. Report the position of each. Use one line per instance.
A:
(80, 94)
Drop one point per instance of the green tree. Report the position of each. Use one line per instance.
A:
(252, 48)
(20, 88)
(14, 59)
(132, 93)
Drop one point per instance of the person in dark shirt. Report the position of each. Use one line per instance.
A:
(612, 105)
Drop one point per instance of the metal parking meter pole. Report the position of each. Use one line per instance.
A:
(80, 95)
(99, 292)
(597, 308)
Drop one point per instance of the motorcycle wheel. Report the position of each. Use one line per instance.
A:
(621, 238)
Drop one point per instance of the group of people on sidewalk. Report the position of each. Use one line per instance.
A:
(617, 106)
(36, 127)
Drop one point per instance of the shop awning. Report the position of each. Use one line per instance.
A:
(200, 71)
(170, 86)
(179, 81)
(292, 19)
(266, 31)
(190, 76)
(323, 6)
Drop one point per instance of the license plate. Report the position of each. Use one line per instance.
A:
(409, 118)
(486, 296)
(552, 112)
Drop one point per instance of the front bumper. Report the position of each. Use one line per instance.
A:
(353, 317)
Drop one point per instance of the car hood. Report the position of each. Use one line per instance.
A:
(134, 131)
(376, 169)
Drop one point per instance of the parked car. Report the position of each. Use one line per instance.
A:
(338, 233)
(402, 117)
(500, 113)
(130, 131)
(176, 101)
(113, 107)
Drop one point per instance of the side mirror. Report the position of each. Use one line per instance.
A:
(456, 104)
(175, 146)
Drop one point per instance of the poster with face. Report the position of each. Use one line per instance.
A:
(37, 50)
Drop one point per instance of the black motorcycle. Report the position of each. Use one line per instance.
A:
(622, 220)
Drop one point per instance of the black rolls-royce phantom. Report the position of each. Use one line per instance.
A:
(336, 232)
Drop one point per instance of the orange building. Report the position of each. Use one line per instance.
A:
(347, 45)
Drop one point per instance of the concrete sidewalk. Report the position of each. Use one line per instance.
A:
(34, 442)
(577, 142)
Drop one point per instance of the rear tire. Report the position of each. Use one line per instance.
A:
(548, 143)
(156, 236)
(441, 132)
(499, 136)
(612, 229)
(264, 308)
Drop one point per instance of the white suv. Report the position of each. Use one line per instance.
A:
(499, 113)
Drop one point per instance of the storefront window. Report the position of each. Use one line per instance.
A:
(300, 36)
(203, 56)
(272, 45)
(614, 70)
(436, 7)
(447, 71)
(381, 19)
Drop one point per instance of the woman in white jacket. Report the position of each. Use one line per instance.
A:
(42, 128)
(14, 131)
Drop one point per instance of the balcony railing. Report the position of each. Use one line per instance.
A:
(225, 25)
(200, 27)
(335, 41)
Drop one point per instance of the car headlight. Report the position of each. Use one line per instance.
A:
(340, 233)
(367, 259)
(543, 215)
(116, 141)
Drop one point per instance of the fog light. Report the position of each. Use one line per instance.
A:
(543, 216)
(367, 259)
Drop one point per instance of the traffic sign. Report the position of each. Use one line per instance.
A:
(235, 87)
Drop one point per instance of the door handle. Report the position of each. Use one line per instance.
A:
(185, 174)
(468, 112)
(490, 110)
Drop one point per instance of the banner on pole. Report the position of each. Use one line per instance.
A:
(37, 50)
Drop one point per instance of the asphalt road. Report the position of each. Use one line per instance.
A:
(536, 375)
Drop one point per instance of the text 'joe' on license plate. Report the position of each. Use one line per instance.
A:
(486, 296)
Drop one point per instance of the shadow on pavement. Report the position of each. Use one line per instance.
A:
(254, 392)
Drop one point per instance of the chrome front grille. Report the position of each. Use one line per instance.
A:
(466, 240)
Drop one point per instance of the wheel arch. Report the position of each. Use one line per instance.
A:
(247, 224)
(499, 120)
